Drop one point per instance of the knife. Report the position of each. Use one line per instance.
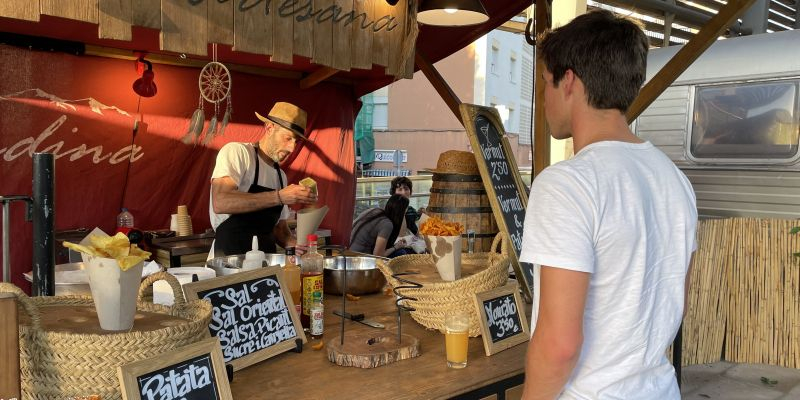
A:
(359, 318)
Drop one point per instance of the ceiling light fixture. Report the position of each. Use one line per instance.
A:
(145, 86)
(452, 12)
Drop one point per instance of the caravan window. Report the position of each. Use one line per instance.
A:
(746, 122)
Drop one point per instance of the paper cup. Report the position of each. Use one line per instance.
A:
(114, 291)
(183, 210)
(446, 251)
(308, 220)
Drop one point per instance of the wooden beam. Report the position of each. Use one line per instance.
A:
(686, 55)
(541, 136)
(438, 82)
(317, 76)
(9, 348)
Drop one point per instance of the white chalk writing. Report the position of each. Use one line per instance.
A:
(502, 316)
(176, 384)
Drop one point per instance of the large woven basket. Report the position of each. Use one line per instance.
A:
(60, 365)
(436, 298)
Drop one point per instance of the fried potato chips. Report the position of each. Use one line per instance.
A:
(117, 247)
(436, 226)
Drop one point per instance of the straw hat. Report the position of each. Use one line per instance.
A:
(456, 162)
(288, 116)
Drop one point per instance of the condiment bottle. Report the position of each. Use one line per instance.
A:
(254, 258)
(291, 274)
(317, 319)
(311, 265)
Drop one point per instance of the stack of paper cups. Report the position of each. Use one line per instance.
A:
(184, 221)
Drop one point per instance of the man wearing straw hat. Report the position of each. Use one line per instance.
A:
(249, 194)
(611, 231)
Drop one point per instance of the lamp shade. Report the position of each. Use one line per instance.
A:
(452, 12)
(145, 86)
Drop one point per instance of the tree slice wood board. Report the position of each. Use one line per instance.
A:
(372, 349)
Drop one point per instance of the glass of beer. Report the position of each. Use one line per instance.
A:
(456, 338)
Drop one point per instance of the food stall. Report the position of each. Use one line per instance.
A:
(112, 89)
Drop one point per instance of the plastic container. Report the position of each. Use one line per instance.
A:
(125, 219)
(254, 258)
(291, 274)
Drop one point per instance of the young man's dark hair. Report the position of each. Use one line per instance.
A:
(400, 181)
(608, 53)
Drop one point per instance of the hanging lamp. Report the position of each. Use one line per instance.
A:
(145, 86)
(452, 12)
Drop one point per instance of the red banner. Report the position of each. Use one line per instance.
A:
(116, 150)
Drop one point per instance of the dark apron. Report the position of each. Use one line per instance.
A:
(235, 234)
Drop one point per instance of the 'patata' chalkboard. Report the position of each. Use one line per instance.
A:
(507, 193)
(252, 315)
(502, 317)
(193, 372)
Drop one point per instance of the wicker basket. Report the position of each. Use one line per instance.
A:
(436, 298)
(60, 365)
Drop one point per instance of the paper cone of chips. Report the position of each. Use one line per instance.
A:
(114, 267)
(308, 220)
(443, 240)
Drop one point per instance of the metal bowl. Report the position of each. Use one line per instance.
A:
(363, 277)
(71, 279)
(227, 265)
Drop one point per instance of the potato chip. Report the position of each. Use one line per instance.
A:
(309, 183)
(117, 247)
(436, 226)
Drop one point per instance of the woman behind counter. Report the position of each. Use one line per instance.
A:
(376, 228)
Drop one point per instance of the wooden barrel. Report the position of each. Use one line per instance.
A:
(462, 198)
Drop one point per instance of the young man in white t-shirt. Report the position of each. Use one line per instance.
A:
(610, 232)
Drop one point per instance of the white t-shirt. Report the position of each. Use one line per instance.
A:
(235, 160)
(624, 213)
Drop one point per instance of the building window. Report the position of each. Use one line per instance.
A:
(747, 122)
(380, 111)
(495, 59)
(512, 70)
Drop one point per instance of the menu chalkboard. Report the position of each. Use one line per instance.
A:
(507, 193)
(193, 372)
(502, 318)
(252, 315)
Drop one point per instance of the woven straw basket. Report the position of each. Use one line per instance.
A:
(59, 365)
(435, 299)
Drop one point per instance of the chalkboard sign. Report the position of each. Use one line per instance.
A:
(504, 186)
(502, 317)
(252, 315)
(193, 372)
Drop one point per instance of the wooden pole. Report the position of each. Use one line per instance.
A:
(438, 82)
(541, 137)
(317, 76)
(686, 55)
(9, 348)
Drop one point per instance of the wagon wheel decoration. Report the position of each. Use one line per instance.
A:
(214, 82)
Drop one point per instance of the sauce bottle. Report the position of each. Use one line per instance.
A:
(311, 265)
(291, 274)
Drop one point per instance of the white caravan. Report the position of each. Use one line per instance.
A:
(731, 122)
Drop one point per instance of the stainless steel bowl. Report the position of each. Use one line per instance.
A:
(363, 276)
(71, 279)
(227, 265)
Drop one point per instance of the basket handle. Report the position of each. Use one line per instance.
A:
(387, 272)
(177, 291)
(502, 240)
(25, 301)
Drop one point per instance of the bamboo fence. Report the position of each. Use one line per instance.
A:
(744, 297)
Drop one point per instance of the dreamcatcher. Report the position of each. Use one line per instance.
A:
(215, 87)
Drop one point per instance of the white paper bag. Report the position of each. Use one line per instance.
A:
(446, 251)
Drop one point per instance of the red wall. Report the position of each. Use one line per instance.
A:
(52, 102)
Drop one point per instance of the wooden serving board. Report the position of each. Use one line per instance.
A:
(80, 319)
(371, 349)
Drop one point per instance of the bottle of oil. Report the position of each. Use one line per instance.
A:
(291, 274)
(311, 265)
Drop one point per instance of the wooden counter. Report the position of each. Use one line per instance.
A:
(310, 375)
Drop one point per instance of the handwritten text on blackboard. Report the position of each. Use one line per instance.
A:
(179, 382)
(502, 318)
(249, 317)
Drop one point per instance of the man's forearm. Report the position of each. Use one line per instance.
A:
(239, 202)
(546, 372)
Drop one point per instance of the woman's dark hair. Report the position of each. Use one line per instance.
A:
(395, 210)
